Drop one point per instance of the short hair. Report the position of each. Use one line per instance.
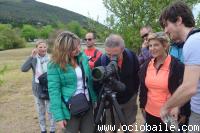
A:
(175, 10)
(160, 36)
(114, 40)
(93, 34)
(39, 41)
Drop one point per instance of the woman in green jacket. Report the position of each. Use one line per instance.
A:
(65, 80)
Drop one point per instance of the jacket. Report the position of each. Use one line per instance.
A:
(30, 63)
(64, 83)
(128, 75)
(144, 55)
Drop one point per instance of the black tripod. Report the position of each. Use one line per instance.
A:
(109, 96)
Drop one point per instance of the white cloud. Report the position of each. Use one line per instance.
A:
(88, 8)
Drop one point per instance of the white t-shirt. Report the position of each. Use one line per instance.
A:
(191, 55)
(80, 88)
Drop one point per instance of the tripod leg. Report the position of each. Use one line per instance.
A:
(99, 112)
(119, 112)
(112, 118)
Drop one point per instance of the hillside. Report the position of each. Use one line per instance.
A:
(33, 12)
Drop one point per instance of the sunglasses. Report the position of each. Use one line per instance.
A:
(88, 39)
(145, 35)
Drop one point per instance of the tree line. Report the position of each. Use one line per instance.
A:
(17, 37)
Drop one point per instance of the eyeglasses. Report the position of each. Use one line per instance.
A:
(145, 35)
(88, 39)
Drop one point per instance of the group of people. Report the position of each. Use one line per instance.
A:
(167, 82)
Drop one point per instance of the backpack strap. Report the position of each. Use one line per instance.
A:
(95, 54)
(195, 30)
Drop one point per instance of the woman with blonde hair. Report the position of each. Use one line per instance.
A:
(38, 61)
(70, 85)
(159, 78)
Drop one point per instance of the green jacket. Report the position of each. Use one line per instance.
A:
(64, 83)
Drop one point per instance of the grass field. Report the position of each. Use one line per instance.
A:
(17, 108)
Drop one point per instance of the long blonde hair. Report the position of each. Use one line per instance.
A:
(64, 44)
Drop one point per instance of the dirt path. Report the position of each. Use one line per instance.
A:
(17, 108)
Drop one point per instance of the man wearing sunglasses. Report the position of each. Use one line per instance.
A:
(144, 53)
(91, 51)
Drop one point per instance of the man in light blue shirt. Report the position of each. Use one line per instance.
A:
(178, 22)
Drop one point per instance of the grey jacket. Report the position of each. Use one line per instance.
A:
(30, 63)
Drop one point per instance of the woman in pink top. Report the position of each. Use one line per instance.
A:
(159, 78)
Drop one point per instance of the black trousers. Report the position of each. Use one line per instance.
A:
(156, 123)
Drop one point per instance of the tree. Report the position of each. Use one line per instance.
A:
(198, 21)
(29, 32)
(100, 30)
(9, 38)
(45, 31)
(131, 15)
(76, 28)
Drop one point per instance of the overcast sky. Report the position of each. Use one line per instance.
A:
(90, 8)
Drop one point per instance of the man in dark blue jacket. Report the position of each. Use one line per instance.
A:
(128, 67)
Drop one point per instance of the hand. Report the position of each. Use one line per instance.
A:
(145, 44)
(174, 113)
(164, 112)
(34, 52)
(62, 124)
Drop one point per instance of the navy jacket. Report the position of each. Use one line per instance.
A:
(128, 75)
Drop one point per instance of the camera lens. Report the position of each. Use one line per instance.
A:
(97, 74)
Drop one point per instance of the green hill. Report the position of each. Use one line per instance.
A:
(33, 12)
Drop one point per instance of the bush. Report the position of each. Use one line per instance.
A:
(9, 38)
(45, 31)
(29, 32)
